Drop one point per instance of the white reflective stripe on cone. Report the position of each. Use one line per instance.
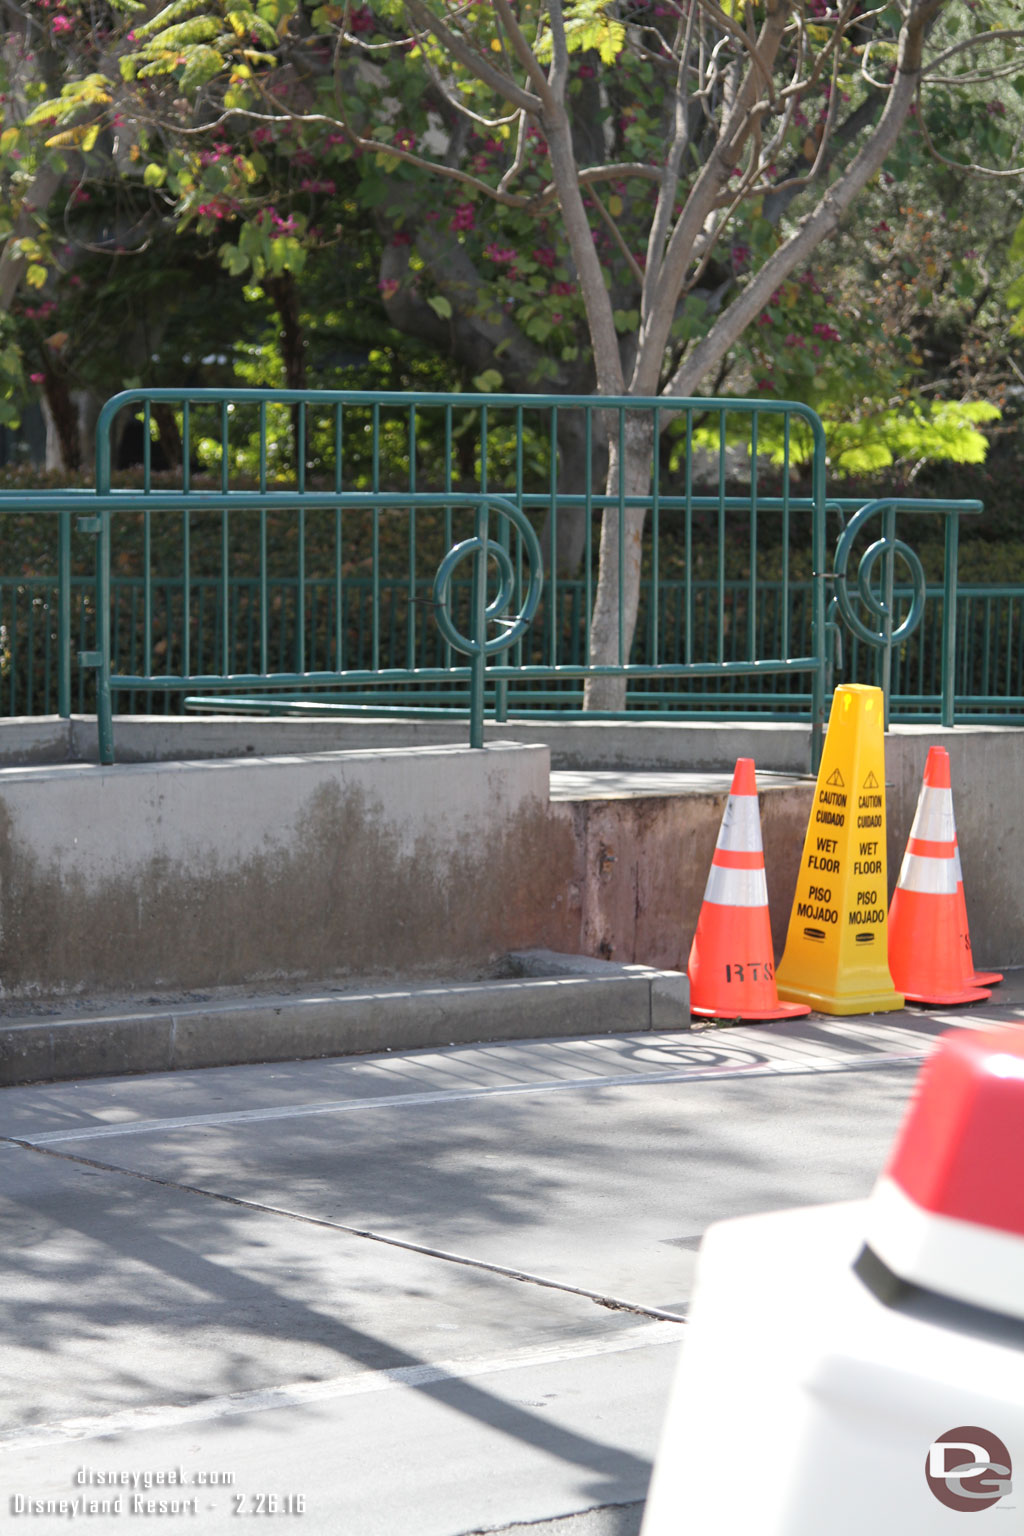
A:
(943, 1253)
(736, 887)
(933, 877)
(740, 831)
(933, 822)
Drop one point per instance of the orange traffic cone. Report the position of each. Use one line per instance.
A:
(925, 923)
(972, 978)
(732, 969)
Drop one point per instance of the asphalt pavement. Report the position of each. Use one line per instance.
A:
(419, 1294)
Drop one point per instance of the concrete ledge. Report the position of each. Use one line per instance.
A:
(668, 991)
(547, 995)
(692, 746)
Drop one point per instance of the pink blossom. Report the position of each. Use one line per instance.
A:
(826, 332)
(362, 20)
(464, 217)
(37, 378)
(61, 23)
(499, 253)
(562, 290)
(221, 209)
(263, 135)
(388, 287)
(544, 256)
(326, 187)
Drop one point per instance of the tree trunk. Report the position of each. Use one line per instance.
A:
(571, 522)
(613, 623)
(283, 295)
(63, 439)
(170, 437)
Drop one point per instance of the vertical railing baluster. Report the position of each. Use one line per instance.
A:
(64, 614)
(752, 582)
(339, 586)
(375, 480)
(949, 603)
(721, 535)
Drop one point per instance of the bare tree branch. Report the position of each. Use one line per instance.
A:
(824, 220)
(977, 41)
(503, 85)
(971, 166)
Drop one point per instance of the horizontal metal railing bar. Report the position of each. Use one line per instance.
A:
(216, 501)
(176, 682)
(403, 399)
(426, 712)
(167, 500)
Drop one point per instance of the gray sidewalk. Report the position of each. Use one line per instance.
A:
(419, 1294)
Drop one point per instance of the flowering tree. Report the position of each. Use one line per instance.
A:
(607, 195)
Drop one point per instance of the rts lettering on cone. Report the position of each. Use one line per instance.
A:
(732, 963)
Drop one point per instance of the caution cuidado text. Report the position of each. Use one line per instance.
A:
(836, 957)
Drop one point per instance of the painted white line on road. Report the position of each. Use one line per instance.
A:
(413, 1100)
(301, 1394)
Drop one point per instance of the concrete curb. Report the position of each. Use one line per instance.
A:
(547, 995)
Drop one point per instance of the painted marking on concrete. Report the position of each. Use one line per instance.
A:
(300, 1394)
(414, 1100)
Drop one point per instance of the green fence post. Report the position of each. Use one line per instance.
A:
(949, 599)
(478, 658)
(64, 615)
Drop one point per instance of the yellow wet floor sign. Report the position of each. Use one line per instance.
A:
(836, 956)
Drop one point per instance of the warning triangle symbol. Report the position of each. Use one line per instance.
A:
(836, 780)
(871, 782)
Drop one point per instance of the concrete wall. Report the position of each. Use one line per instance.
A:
(429, 861)
(987, 772)
(419, 862)
(645, 862)
(694, 747)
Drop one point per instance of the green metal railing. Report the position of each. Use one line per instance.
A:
(314, 541)
(988, 677)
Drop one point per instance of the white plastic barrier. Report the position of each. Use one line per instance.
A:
(858, 1370)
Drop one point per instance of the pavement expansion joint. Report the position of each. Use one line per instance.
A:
(523, 1277)
(553, 1522)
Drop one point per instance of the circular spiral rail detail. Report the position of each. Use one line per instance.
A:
(872, 600)
(513, 628)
